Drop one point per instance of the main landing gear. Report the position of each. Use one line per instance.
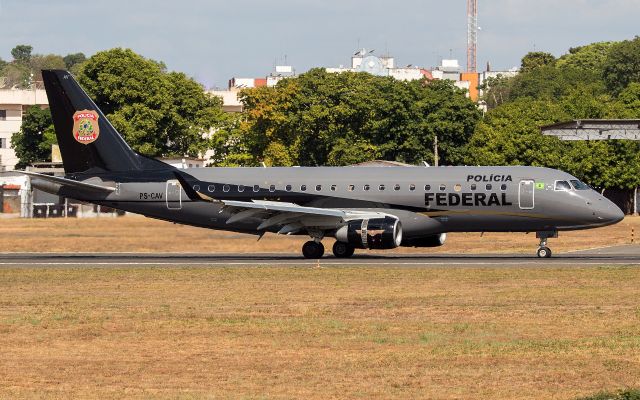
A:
(314, 249)
(543, 250)
(343, 250)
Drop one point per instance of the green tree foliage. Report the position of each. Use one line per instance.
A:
(22, 54)
(622, 65)
(553, 83)
(33, 142)
(321, 118)
(16, 75)
(73, 61)
(627, 103)
(39, 62)
(510, 135)
(495, 91)
(159, 113)
(537, 59)
(589, 58)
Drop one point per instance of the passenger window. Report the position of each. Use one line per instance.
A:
(226, 188)
(443, 187)
(288, 188)
(473, 186)
(503, 187)
(256, 188)
(318, 188)
(272, 188)
(196, 187)
(489, 186)
(352, 188)
(303, 188)
(240, 188)
(211, 188)
(333, 188)
(563, 185)
(366, 187)
(579, 185)
(381, 187)
(396, 187)
(412, 187)
(427, 188)
(457, 187)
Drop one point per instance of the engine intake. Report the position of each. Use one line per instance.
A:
(426, 241)
(377, 233)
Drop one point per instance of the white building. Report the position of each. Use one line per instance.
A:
(13, 104)
(366, 61)
(230, 101)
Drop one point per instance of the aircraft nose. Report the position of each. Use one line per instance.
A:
(609, 212)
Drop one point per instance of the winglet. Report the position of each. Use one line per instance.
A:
(187, 181)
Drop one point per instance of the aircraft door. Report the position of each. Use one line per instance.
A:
(526, 194)
(173, 195)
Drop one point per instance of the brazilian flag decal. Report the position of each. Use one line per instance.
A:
(540, 185)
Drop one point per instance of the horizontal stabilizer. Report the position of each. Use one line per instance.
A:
(71, 183)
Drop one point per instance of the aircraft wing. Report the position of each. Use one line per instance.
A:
(290, 217)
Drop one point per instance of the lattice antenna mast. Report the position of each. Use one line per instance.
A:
(472, 35)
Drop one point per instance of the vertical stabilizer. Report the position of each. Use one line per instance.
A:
(88, 142)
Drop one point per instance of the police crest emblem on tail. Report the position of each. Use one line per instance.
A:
(85, 126)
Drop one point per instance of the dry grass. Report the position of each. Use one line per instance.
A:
(139, 234)
(320, 333)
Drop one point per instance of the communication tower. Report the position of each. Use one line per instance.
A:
(472, 35)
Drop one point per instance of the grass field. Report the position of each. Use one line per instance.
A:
(139, 234)
(318, 333)
(260, 332)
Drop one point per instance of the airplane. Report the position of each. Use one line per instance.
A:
(361, 207)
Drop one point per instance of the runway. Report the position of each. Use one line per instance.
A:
(614, 255)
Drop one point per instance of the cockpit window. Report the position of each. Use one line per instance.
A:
(579, 185)
(563, 185)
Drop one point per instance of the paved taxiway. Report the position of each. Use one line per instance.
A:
(615, 255)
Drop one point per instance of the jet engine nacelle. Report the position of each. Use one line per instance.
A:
(426, 241)
(376, 233)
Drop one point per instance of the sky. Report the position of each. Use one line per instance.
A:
(215, 40)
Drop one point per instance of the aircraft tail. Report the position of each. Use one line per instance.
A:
(88, 142)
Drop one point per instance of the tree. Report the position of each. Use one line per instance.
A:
(496, 90)
(590, 57)
(33, 142)
(22, 54)
(548, 82)
(158, 113)
(321, 118)
(16, 75)
(622, 65)
(39, 62)
(73, 60)
(510, 135)
(537, 59)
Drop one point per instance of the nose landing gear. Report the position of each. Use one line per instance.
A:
(543, 250)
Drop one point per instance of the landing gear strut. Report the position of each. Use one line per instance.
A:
(312, 249)
(343, 250)
(543, 250)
